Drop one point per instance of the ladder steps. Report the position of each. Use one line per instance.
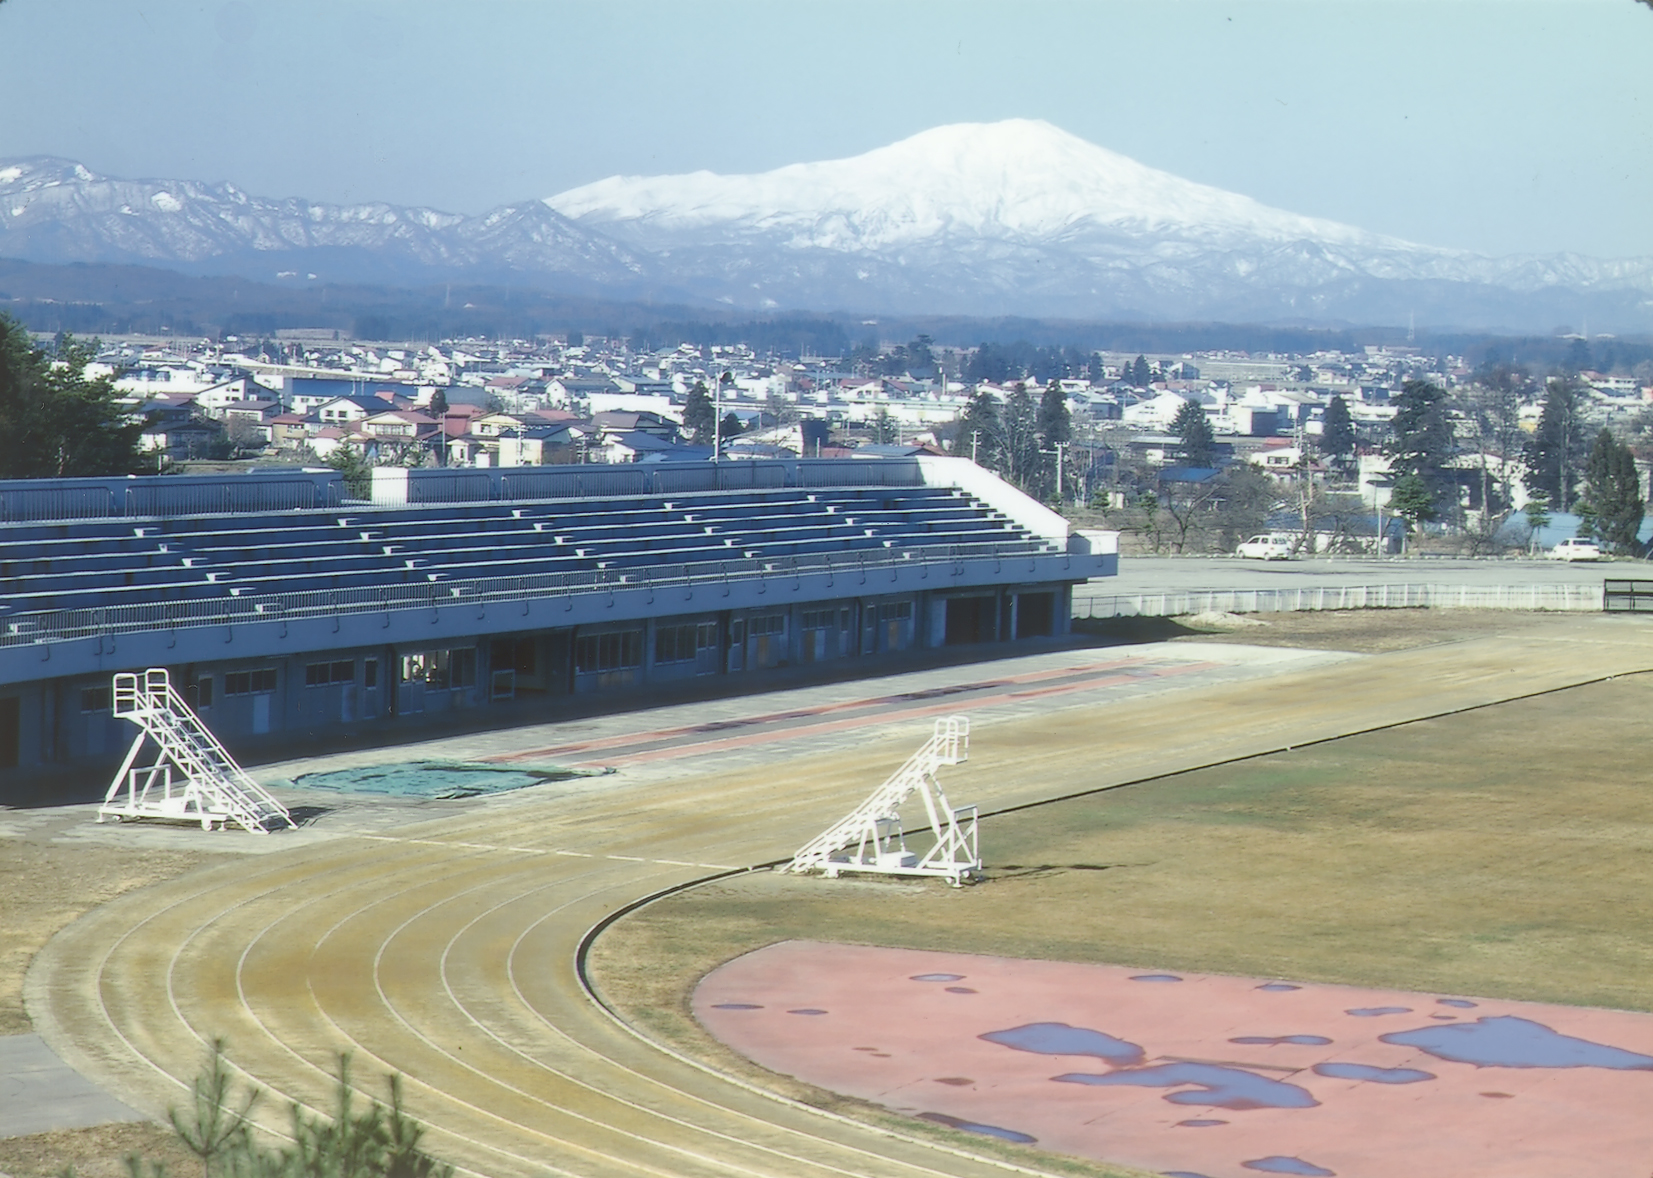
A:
(212, 782)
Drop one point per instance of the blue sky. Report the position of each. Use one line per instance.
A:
(1503, 126)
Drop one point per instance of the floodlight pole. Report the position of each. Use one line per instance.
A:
(717, 415)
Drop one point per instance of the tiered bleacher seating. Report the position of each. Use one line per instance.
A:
(81, 564)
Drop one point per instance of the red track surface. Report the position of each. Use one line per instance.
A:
(859, 1021)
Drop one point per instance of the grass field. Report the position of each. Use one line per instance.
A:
(1505, 852)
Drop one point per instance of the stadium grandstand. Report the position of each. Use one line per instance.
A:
(286, 612)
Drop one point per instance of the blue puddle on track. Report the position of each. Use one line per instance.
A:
(1276, 1040)
(1284, 1165)
(1371, 1074)
(1505, 1041)
(1219, 1087)
(998, 1131)
(1061, 1039)
(430, 779)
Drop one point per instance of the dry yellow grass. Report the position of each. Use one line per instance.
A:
(99, 1152)
(44, 884)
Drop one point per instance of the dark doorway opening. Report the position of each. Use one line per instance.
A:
(969, 619)
(11, 732)
(1035, 614)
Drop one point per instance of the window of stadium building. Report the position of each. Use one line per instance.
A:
(616, 651)
(681, 644)
(441, 668)
(825, 619)
(327, 674)
(259, 682)
(94, 699)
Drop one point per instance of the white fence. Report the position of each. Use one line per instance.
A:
(1256, 601)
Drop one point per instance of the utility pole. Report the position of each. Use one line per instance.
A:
(1058, 452)
(717, 419)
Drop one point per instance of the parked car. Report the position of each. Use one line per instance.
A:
(1576, 549)
(1275, 546)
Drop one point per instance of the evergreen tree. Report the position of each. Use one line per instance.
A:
(1412, 501)
(1538, 517)
(367, 1139)
(1021, 437)
(886, 431)
(1555, 453)
(987, 363)
(981, 431)
(1198, 446)
(699, 414)
(56, 423)
(356, 469)
(1141, 376)
(1337, 436)
(1098, 371)
(1421, 440)
(1055, 423)
(919, 357)
(1612, 492)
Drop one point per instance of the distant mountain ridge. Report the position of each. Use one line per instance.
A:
(55, 210)
(1009, 218)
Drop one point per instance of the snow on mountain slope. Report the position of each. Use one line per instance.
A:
(54, 210)
(1020, 217)
(1016, 179)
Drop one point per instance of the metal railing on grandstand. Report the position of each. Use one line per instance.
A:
(1318, 597)
(511, 484)
(174, 495)
(859, 568)
(72, 499)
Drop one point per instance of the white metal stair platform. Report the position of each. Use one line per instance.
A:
(193, 778)
(872, 838)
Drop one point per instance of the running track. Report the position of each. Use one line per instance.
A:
(449, 951)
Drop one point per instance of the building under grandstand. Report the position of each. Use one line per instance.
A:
(287, 613)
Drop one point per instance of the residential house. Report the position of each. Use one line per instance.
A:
(538, 445)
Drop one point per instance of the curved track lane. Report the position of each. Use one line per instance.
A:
(448, 951)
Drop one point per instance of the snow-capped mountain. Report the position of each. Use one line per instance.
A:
(1020, 217)
(1018, 180)
(1008, 218)
(54, 210)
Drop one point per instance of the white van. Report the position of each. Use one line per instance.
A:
(1275, 546)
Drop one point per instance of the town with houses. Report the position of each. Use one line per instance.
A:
(582, 399)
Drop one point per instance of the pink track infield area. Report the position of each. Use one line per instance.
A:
(1200, 1075)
